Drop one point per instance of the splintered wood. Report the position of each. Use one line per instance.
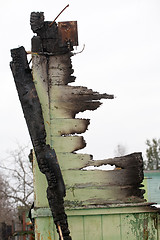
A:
(60, 103)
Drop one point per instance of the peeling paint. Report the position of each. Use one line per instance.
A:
(143, 227)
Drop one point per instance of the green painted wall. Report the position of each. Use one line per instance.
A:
(113, 223)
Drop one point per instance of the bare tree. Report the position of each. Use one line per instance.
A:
(6, 210)
(19, 178)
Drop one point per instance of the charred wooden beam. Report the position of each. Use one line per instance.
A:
(123, 162)
(46, 157)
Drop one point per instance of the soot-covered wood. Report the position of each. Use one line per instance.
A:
(46, 157)
(52, 71)
(47, 40)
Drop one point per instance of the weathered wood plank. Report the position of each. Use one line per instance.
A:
(63, 126)
(131, 160)
(99, 196)
(138, 226)
(44, 229)
(87, 187)
(67, 143)
(76, 93)
(40, 186)
(111, 231)
(60, 69)
(122, 177)
(90, 232)
(41, 84)
(71, 161)
(76, 225)
(67, 101)
(70, 109)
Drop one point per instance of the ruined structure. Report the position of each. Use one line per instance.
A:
(50, 105)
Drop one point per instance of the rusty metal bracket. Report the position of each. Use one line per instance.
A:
(67, 33)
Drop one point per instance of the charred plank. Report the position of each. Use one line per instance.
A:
(46, 157)
(125, 162)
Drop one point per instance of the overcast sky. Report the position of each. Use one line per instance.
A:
(121, 57)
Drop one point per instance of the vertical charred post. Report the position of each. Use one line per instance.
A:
(46, 157)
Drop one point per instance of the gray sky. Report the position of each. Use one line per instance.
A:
(121, 57)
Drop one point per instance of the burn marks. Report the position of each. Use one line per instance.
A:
(50, 106)
(63, 103)
(46, 157)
